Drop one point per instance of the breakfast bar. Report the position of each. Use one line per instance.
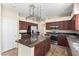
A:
(34, 46)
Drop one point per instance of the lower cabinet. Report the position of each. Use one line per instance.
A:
(47, 45)
(39, 49)
(62, 41)
(42, 48)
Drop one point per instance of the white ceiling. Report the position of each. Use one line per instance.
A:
(47, 9)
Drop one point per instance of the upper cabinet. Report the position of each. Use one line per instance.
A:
(77, 22)
(24, 25)
(72, 24)
(62, 25)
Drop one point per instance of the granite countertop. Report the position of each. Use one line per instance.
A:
(74, 44)
(32, 41)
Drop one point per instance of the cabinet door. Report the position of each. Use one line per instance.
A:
(22, 25)
(69, 25)
(77, 22)
(65, 25)
(62, 41)
(42, 48)
(73, 23)
(61, 25)
(47, 45)
(39, 52)
(39, 49)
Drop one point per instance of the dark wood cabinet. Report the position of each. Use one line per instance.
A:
(24, 25)
(77, 22)
(69, 25)
(42, 48)
(47, 45)
(62, 40)
(39, 51)
(73, 23)
(63, 25)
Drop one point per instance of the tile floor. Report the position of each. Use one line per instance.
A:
(55, 50)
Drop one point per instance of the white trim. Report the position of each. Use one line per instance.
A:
(67, 18)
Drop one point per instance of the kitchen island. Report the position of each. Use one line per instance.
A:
(34, 46)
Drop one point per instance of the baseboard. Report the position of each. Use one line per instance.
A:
(7, 50)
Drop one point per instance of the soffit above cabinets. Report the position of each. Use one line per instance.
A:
(47, 9)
